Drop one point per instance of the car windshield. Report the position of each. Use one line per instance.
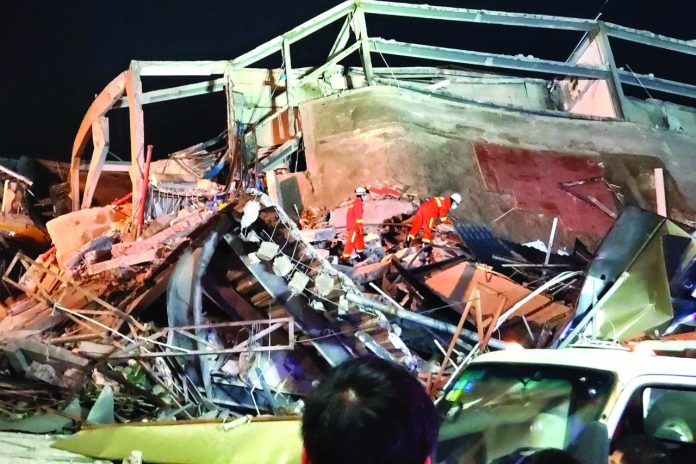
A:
(493, 409)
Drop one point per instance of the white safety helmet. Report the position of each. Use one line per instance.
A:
(361, 191)
(456, 199)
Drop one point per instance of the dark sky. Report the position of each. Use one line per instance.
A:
(56, 55)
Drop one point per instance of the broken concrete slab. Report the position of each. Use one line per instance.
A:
(374, 212)
(318, 235)
(84, 226)
(145, 256)
(370, 272)
(176, 229)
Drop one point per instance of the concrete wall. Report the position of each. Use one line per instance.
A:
(425, 143)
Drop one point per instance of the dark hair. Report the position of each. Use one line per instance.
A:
(369, 411)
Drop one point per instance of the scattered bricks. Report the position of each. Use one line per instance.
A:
(123, 261)
(267, 251)
(298, 282)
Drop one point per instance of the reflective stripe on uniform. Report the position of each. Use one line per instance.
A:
(359, 221)
(438, 200)
(411, 236)
(425, 240)
(352, 238)
(432, 221)
(443, 218)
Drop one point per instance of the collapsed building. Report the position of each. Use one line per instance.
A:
(205, 291)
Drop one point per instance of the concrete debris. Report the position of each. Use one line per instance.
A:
(267, 251)
(282, 265)
(324, 284)
(197, 295)
(298, 282)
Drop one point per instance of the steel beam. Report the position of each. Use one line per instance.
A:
(649, 38)
(492, 60)
(656, 83)
(174, 93)
(319, 21)
(303, 30)
(333, 60)
(342, 37)
(180, 68)
(360, 27)
(474, 16)
(615, 90)
(278, 155)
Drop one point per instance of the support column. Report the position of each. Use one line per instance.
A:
(361, 34)
(231, 125)
(617, 96)
(134, 91)
(290, 86)
(100, 140)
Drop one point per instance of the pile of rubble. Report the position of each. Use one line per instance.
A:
(210, 301)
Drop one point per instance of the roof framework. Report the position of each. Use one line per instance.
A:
(126, 89)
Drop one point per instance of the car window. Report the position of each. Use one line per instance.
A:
(659, 419)
(670, 414)
(493, 410)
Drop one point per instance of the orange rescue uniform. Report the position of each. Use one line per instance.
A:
(436, 207)
(354, 224)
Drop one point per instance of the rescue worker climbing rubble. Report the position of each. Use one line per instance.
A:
(354, 223)
(428, 212)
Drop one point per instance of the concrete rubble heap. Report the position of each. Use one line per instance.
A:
(210, 291)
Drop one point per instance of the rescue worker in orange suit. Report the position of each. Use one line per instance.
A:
(354, 223)
(428, 213)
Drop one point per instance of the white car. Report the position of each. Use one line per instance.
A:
(513, 400)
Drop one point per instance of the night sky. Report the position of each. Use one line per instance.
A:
(56, 55)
